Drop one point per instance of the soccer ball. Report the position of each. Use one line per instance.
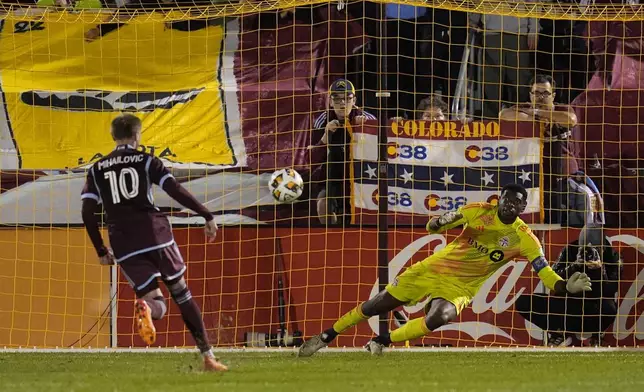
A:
(286, 185)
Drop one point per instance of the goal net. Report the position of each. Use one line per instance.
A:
(438, 104)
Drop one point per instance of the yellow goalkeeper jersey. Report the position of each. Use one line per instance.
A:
(484, 245)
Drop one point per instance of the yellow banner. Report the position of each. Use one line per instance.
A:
(61, 91)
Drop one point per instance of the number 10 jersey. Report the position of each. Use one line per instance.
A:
(122, 182)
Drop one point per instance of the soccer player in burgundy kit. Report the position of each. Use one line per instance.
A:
(140, 235)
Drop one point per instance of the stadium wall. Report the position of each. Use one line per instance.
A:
(53, 292)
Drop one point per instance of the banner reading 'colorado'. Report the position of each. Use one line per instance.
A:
(436, 167)
(61, 91)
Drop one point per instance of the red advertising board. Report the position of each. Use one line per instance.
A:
(328, 272)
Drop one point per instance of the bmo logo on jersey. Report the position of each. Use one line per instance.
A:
(480, 247)
(444, 203)
(495, 255)
(475, 153)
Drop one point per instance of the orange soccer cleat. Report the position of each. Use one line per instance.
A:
(144, 322)
(211, 364)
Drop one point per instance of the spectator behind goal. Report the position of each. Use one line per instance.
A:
(507, 42)
(333, 200)
(591, 312)
(432, 108)
(559, 152)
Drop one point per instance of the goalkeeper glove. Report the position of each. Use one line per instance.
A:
(449, 217)
(578, 282)
(435, 224)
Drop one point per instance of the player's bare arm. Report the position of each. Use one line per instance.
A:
(515, 113)
(566, 119)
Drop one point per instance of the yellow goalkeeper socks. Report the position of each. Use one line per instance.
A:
(350, 319)
(415, 328)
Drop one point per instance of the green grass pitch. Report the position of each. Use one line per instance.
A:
(336, 372)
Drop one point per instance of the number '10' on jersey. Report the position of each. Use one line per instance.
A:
(122, 182)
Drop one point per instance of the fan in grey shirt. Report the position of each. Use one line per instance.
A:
(507, 42)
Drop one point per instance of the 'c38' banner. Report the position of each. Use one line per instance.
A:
(60, 92)
(436, 167)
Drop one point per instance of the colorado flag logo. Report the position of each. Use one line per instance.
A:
(473, 153)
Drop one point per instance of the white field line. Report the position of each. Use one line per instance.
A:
(182, 350)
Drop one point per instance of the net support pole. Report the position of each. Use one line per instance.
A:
(113, 304)
(383, 189)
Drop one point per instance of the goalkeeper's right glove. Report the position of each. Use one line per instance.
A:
(435, 224)
(578, 282)
(449, 217)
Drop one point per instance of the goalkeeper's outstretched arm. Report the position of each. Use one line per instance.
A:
(577, 283)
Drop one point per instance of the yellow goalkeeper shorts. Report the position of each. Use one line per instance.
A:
(417, 283)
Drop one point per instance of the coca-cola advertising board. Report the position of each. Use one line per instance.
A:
(326, 272)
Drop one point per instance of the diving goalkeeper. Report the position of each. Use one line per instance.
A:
(451, 277)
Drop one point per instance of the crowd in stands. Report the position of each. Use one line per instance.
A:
(585, 75)
(423, 48)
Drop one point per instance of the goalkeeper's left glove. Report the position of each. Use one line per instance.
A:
(578, 282)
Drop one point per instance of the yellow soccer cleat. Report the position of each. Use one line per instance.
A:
(144, 322)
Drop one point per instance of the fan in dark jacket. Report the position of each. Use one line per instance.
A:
(589, 313)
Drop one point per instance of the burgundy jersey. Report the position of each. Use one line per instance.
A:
(122, 182)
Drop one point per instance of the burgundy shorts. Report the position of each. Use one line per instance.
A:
(142, 270)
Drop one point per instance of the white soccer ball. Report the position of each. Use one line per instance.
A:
(286, 185)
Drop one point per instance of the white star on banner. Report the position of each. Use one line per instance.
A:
(447, 178)
(407, 176)
(525, 176)
(371, 172)
(487, 178)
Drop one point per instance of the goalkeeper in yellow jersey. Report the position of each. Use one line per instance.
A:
(451, 277)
